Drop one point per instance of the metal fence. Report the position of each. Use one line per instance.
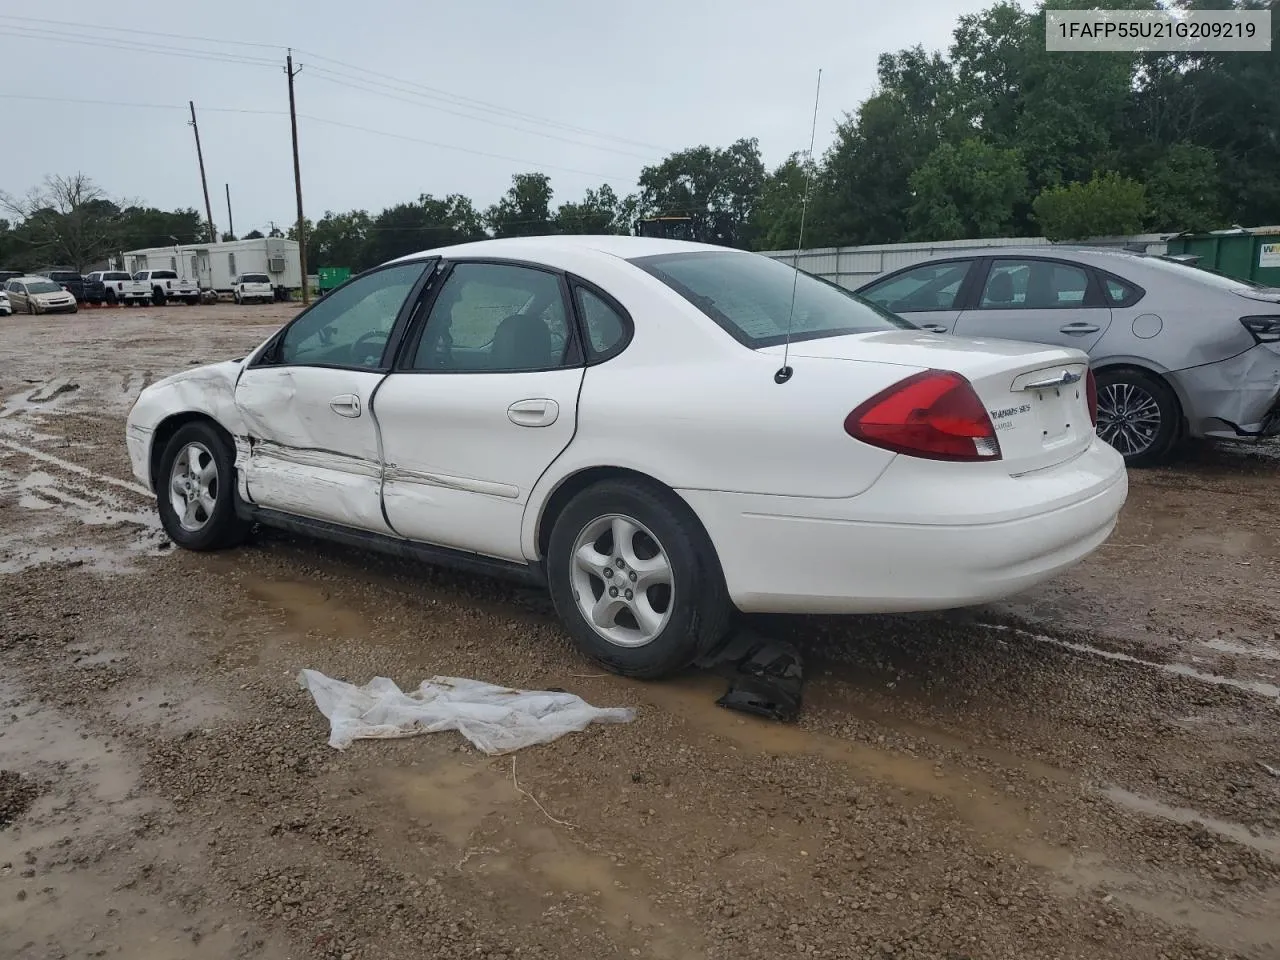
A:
(853, 266)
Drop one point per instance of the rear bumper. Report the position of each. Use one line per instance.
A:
(1238, 397)
(927, 536)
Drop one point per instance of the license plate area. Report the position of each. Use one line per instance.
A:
(1057, 414)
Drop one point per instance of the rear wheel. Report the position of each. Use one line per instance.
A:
(236, 298)
(1138, 414)
(158, 297)
(110, 297)
(195, 490)
(635, 579)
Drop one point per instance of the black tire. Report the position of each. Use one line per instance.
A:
(1136, 396)
(31, 309)
(699, 606)
(191, 301)
(236, 298)
(157, 297)
(221, 527)
(74, 310)
(110, 298)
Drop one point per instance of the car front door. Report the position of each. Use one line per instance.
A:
(1040, 300)
(482, 401)
(926, 295)
(306, 402)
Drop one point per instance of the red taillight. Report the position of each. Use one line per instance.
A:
(1091, 391)
(934, 414)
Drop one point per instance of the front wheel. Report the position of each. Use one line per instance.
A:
(636, 580)
(196, 488)
(158, 297)
(1138, 414)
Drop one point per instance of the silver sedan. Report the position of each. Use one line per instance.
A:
(1178, 351)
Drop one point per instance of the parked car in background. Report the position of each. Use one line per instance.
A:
(253, 287)
(120, 287)
(165, 285)
(39, 295)
(69, 280)
(5, 308)
(7, 275)
(637, 424)
(1178, 351)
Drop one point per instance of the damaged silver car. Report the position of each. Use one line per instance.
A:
(1178, 351)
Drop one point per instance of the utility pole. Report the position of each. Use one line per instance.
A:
(204, 184)
(231, 224)
(297, 178)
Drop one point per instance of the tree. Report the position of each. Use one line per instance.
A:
(228, 237)
(968, 191)
(525, 210)
(142, 227)
(717, 188)
(1184, 191)
(253, 235)
(340, 239)
(428, 223)
(68, 220)
(1107, 205)
(596, 213)
(781, 203)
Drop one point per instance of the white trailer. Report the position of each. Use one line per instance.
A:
(216, 265)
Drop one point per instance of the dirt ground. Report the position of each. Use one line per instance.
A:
(1090, 770)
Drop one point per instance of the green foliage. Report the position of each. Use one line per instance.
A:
(596, 213)
(1107, 205)
(967, 191)
(525, 210)
(1184, 191)
(781, 203)
(253, 235)
(717, 188)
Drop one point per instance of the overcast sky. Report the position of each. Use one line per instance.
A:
(533, 82)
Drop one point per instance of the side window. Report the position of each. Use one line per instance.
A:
(350, 327)
(1034, 285)
(1119, 293)
(495, 317)
(932, 286)
(604, 326)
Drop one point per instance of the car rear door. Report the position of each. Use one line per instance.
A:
(927, 294)
(1037, 299)
(482, 400)
(306, 402)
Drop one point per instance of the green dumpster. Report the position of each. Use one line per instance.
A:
(1245, 256)
(330, 277)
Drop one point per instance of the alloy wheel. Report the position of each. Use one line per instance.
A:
(1129, 417)
(622, 580)
(193, 486)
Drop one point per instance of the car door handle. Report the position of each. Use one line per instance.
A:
(533, 413)
(933, 327)
(1079, 328)
(347, 405)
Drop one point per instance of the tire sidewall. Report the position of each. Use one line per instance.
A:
(215, 533)
(677, 645)
(1170, 413)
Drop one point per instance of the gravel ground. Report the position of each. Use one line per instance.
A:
(1088, 770)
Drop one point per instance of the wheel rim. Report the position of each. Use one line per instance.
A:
(622, 580)
(1129, 417)
(193, 486)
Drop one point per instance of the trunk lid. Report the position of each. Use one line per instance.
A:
(1034, 394)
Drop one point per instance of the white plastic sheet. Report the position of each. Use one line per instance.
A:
(495, 719)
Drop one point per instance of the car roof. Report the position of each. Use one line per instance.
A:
(539, 248)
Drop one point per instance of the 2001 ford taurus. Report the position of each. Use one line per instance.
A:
(661, 432)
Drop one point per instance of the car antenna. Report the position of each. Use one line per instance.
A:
(784, 372)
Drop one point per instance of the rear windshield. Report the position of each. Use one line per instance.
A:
(116, 276)
(750, 297)
(163, 275)
(255, 278)
(63, 275)
(42, 286)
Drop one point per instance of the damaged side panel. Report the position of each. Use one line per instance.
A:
(310, 445)
(1235, 397)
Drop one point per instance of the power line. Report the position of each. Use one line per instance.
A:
(449, 146)
(144, 106)
(133, 31)
(110, 43)
(328, 76)
(482, 104)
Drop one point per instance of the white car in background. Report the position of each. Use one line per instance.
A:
(120, 287)
(5, 309)
(660, 432)
(255, 287)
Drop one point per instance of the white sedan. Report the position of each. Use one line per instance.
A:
(660, 432)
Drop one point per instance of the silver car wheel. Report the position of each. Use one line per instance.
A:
(1129, 417)
(193, 486)
(622, 580)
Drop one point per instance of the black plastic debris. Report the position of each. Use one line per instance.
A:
(765, 675)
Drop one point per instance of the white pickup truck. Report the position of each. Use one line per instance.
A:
(165, 285)
(119, 287)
